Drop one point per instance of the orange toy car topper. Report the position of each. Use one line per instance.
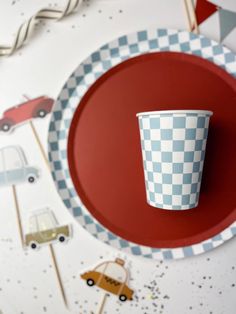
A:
(34, 108)
(112, 277)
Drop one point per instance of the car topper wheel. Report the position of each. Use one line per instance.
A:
(41, 113)
(5, 127)
(34, 245)
(62, 238)
(31, 179)
(123, 298)
(90, 282)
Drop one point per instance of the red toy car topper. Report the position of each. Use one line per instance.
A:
(34, 108)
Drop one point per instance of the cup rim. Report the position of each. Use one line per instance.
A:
(163, 112)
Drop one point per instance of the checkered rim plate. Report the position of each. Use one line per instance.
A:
(99, 62)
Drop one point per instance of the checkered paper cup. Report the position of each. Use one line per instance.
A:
(173, 149)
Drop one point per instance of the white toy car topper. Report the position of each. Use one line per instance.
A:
(14, 168)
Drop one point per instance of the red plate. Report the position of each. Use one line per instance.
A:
(105, 155)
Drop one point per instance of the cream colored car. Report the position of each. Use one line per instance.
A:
(44, 229)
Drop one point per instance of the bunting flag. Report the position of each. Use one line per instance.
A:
(227, 22)
(204, 9)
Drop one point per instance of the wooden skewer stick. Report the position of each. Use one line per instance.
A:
(102, 304)
(193, 14)
(39, 143)
(186, 8)
(58, 274)
(18, 214)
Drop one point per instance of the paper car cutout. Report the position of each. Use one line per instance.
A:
(35, 108)
(112, 277)
(44, 229)
(14, 168)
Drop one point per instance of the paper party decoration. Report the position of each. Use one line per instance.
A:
(45, 230)
(26, 112)
(227, 22)
(111, 276)
(204, 9)
(14, 170)
(30, 109)
(26, 29)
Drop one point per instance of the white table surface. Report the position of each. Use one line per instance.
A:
(199, 285)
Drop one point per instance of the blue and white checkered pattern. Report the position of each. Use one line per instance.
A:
(98, 63)
(173, 150)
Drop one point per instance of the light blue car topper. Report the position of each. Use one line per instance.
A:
(14, 168)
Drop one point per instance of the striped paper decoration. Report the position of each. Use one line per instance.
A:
(26, 29)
